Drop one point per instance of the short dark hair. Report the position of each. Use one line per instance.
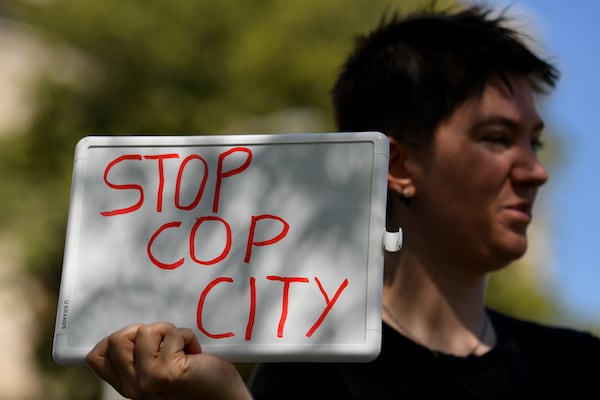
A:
(408, 75)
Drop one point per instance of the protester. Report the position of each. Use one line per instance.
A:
(455, 94)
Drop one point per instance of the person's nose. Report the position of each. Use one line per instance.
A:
(528, 168)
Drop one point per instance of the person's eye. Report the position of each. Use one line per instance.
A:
(499, 139)
(537, 144)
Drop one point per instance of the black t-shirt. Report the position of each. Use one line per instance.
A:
(530, 361)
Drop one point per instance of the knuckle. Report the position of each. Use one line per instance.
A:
(114, 340)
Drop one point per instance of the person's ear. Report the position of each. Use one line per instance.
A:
(400, 173)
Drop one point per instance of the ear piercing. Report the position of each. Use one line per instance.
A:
(407, 194)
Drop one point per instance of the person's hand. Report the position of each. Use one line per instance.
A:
(161, 361)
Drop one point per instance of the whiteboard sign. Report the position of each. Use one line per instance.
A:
(268, 246)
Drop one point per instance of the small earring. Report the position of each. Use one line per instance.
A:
(407, 195)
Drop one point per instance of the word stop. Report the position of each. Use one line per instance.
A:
(123, 162)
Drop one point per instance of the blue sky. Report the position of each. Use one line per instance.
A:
(570, 34)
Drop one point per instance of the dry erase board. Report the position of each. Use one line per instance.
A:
(268, 246)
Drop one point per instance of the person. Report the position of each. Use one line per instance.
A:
(455, 93)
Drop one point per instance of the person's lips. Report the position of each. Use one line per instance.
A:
(520, 211)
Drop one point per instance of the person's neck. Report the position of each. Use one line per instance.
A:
(442, 311)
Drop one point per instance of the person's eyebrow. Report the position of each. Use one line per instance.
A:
(506, 123)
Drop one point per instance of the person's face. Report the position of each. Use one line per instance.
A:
(476, 187)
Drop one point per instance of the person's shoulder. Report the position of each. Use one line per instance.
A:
(560, 359)
(535, 334)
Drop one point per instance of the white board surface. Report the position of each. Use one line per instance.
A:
(268, 246)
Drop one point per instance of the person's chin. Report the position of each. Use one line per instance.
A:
(513, 246)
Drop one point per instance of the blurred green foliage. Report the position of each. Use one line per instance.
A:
(169, 67)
